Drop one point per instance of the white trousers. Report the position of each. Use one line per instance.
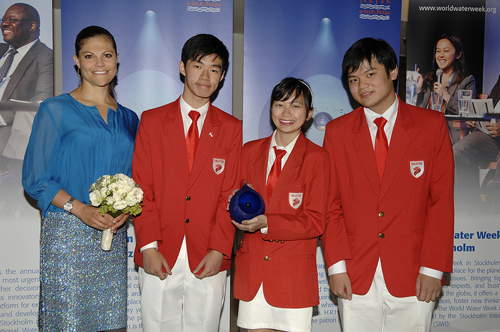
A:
(378, 310)
(181, 302)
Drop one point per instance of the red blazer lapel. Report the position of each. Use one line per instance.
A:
(174, 131)
(400, 141)
(259, 169)
(208, 137)
(289, 172)
(364, 149)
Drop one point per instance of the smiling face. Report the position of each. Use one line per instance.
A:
(202, 78)
(19, 32)
(97, 61)
(289, 116)
(446, 55)
(372, 87)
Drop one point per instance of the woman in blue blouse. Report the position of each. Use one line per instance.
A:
(76, 138)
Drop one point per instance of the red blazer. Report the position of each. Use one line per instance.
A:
(284, 259)
(177, 204)
(407, 220)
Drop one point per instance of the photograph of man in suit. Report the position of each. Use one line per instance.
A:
(26, 69)
(389, 233)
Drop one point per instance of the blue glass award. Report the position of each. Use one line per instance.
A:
(246, 204)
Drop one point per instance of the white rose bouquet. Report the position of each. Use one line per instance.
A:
(115, 194)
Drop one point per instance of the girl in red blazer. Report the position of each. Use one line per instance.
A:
(276, 277)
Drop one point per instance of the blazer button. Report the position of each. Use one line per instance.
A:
(381, 214)
(271, 240)
(266, 258)
(381, 235)
(186, 221)
(188, 198)
(282, 241)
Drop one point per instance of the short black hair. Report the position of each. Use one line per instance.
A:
(291, 87)
(202, 45)
(31, 13)
(369, 49)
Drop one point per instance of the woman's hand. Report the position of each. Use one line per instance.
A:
(420, 81)
(92, 217)
(252, 225)
(439, 88)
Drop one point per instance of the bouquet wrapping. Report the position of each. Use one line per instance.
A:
(115, 194)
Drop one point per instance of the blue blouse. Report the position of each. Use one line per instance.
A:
(71, 146)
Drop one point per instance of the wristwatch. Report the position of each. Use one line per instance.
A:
(68, 205)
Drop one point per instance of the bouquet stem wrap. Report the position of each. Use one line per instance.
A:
(106, 240)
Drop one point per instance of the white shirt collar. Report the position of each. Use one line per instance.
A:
(390, 114)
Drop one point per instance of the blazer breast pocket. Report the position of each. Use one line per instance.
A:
(296, 196)
(219, 159)
(418, 164)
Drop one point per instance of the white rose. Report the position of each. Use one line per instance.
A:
(110, 200)
(95, 198)
(104, 192)
(117, 196)
(120, 205)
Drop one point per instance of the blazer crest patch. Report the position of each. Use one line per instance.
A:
(218, 165)
(295, 199)
(417, 168)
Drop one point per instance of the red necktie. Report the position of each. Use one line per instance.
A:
(381, 146)
(192, 138)
(275, 172)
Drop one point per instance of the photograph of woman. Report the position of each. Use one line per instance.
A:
(448, 60)
(76, 138)
(276, 278)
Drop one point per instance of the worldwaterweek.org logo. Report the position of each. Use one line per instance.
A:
(375, 10)
(207, 6)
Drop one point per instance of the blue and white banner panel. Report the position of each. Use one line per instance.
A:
(19, 216)
(307, 40)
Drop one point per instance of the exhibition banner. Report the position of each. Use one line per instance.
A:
(149, 37)
(28, 82)
(454, 45)
(307, 40)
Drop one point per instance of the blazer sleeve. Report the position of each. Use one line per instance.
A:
(310, 223)
(334, 240)
(222, 233)
(147, 224)
(45, 80)
(437, 246)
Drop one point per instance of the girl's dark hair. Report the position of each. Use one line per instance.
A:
(91, 32)
(460, 70)
(291, 87)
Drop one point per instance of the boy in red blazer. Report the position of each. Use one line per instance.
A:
(186, 160)
(389, 236)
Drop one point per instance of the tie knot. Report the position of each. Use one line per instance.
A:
(13, 51)
(194, 115)
(380, 122)
(279, 153)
